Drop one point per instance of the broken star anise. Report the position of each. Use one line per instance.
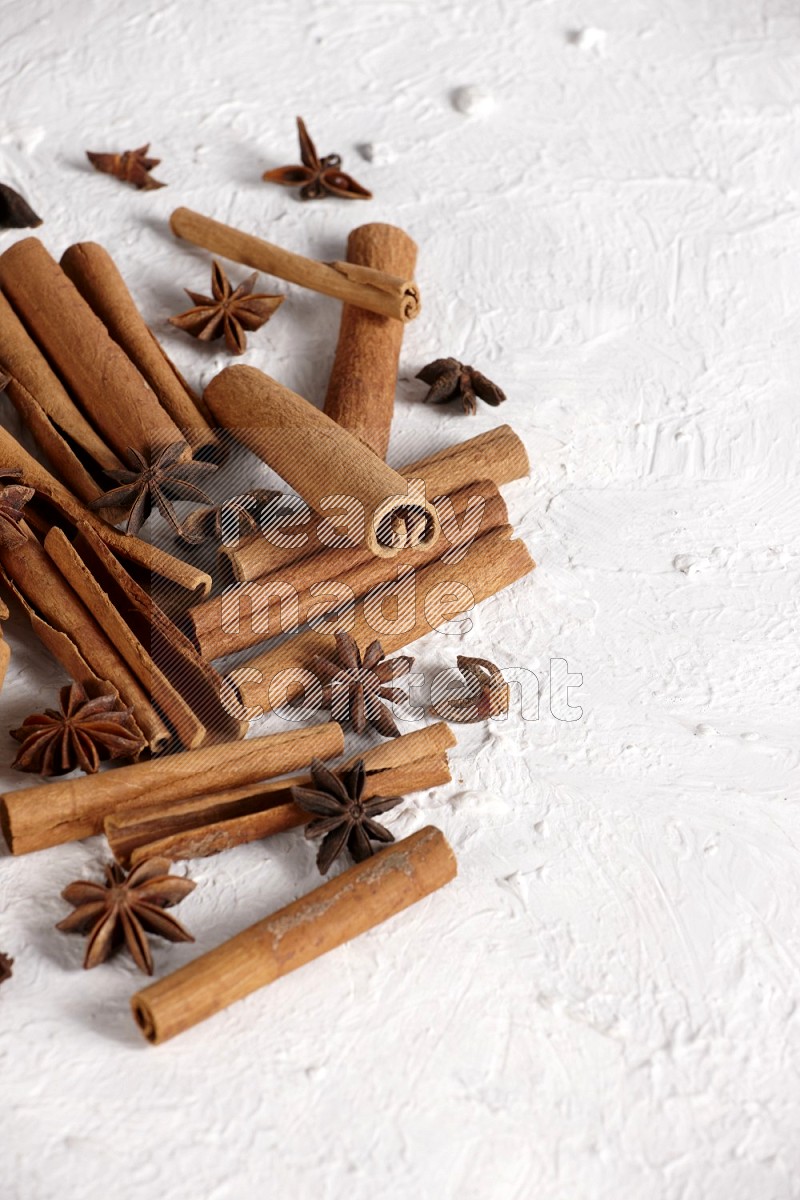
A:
(132, 166)
(353, 687)
(486, 694)
(226, 523)
(82, 733)
(13, 498)
(342, 817)
(228, 311)
(125, 909)
(15, 212)
(6, 964)
(166, 477)
(317, 177)
(448, 379)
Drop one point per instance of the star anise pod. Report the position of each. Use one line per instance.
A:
(451, 380)
(6, 964)
(486, 695)
(15, 212)
(165, 478)
(226, 523)
(353, 687)
(82, 733)
(317, 177)
(343, 817)
(227, 311)
(13, 498)
(132, 166)
(124, 909)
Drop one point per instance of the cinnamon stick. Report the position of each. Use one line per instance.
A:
(497, 455)
(70, 809)
(97, 278)
(249, 613)
(338, 911)
(150, 559)
(375, 291)
(5, 649)
(48, 411)
(208, 825)
(361, 388)
(434, 595)
(104, 381)
(70, 632)
(324, 463)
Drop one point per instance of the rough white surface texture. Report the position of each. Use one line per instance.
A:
(605, 1003)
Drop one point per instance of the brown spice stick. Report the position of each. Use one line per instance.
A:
(338, 911)
(48, 411)
(5, 649)
(249, 613)
(96, 276)
(497, 455)
(375, 291)
(318, 458)
(361, 388)
(110, 390)
(492, 563)
(189, 730)
(70, 809)
(208, 825)
(149, 558)
(70, 631)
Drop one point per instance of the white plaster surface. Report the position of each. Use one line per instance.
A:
(605, 1003)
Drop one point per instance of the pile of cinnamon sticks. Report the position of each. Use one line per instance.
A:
(90, 382)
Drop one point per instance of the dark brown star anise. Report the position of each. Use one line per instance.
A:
(124, 909)
(6, 964)
(82, 733)
(166, 477)
(353, 687)
(226, 523)
(317, 177)
(13, 498)
(228, 312)
(451, 380)
(132, 166)
(343, 817)
(15, 212)
(486, 694)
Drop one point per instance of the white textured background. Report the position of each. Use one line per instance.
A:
(605, 1003)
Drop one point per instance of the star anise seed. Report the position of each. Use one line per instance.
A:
(343, 818)
(353, 687)
(6, 964)
(226, 523)
(124, 909)
(82, 733)
(317, 177)
(486, 694)
(13, 498)
(228, 312)
(151, 484)
(15, 212)
(132, 166)
(449, 379)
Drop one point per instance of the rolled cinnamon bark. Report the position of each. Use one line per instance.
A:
(97, 278)
(150, 559)
(208, 825)
(321, 461)
(70, 809)
(373, 290)
(5, 649)
(70, 631)
(497, 455)
(363, 379)
(48, 411)
(434, 595)
(282, 601)
(108, 387)
(338, 911)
